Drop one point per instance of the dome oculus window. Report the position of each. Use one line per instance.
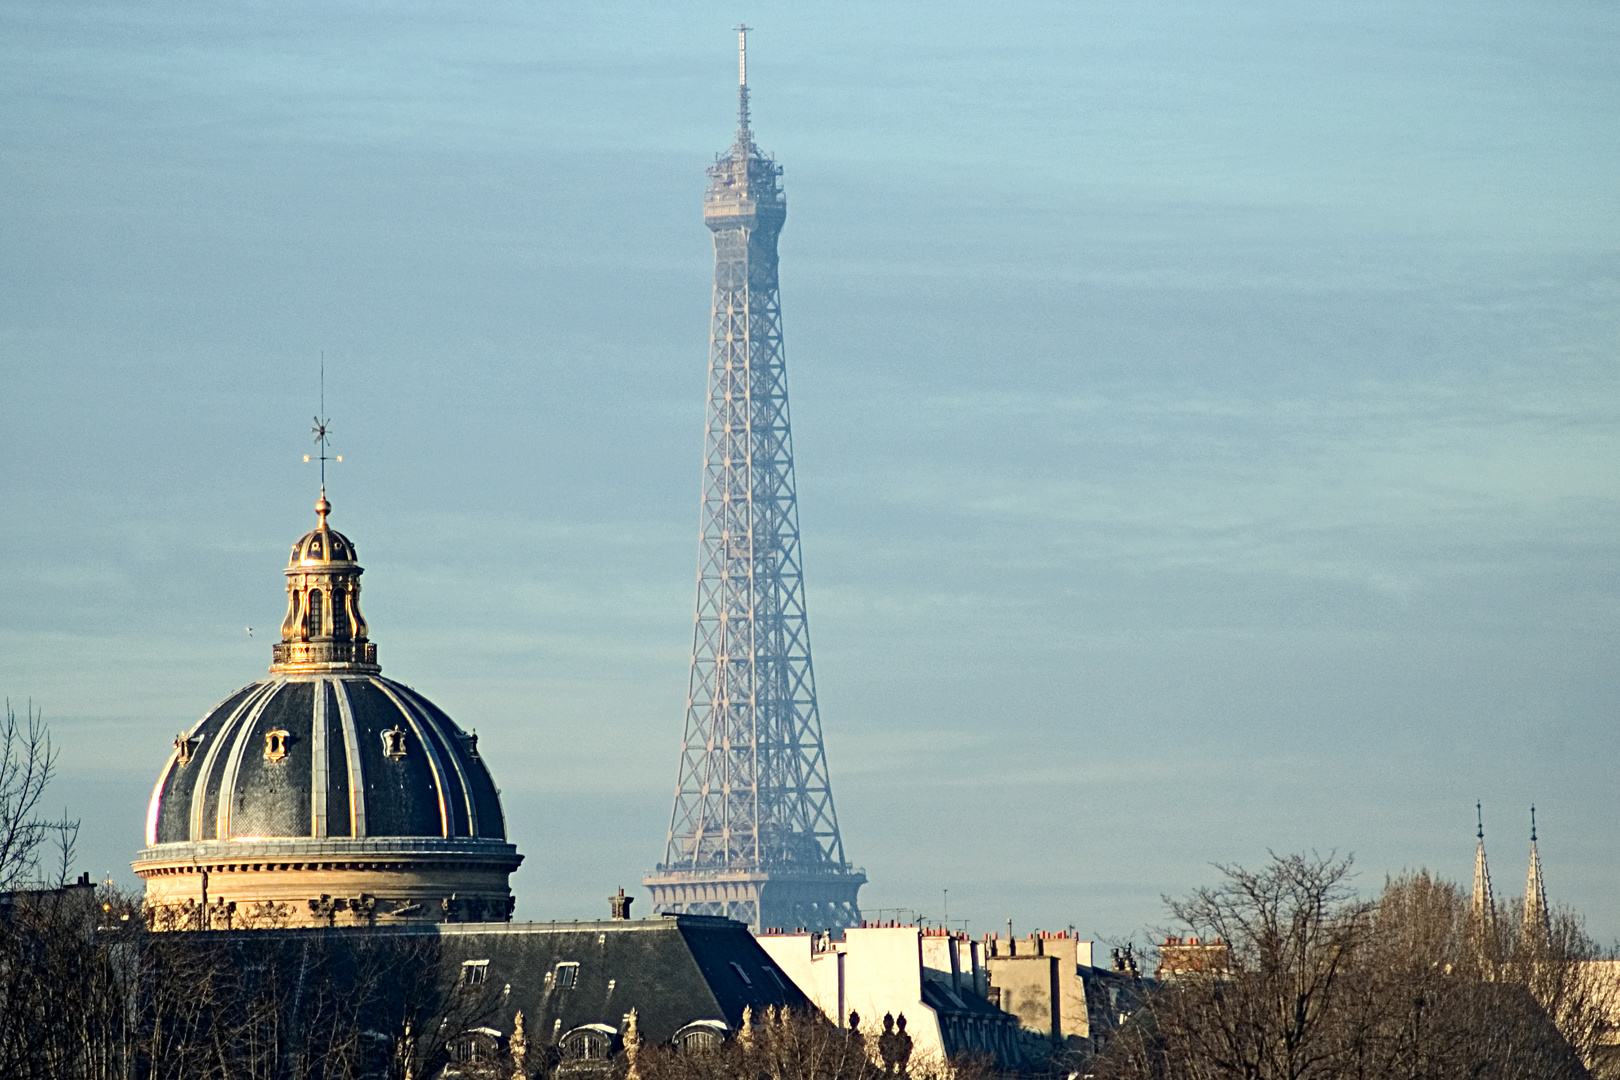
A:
(394, 742)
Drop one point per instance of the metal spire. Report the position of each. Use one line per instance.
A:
(1483, 907)
(1537, 917)
(753, 834)
(745, 138)
(322, 432)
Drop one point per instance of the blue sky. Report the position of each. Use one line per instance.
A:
(1206, 415)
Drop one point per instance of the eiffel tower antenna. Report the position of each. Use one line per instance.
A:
(753, 834)
(745, 138)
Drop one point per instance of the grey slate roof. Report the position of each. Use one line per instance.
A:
(672, 970)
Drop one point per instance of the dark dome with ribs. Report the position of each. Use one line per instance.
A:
(316, 756)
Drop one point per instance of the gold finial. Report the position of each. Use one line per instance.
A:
(322, 508)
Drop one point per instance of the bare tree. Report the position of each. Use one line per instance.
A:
(27, 764)
(1292, 929)
(1322, 985)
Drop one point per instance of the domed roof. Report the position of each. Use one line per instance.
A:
(315, 757)
(325, 790)
(321, 546)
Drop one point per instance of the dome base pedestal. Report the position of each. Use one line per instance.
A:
(377, 881)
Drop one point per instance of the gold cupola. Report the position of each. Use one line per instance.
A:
(323, 630)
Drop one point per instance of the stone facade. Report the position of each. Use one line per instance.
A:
(1063, 1002)
(935, 979)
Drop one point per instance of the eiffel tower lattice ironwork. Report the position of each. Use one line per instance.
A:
(753, 835)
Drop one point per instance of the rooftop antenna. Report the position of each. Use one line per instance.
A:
(322, 431)
(742, 81)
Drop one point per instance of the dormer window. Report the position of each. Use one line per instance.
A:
(275, 744)
(182, 750)
(394, 742)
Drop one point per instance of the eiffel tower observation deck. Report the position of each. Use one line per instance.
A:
(753, 835)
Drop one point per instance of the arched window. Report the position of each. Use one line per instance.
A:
(477, 1044)
(589, 1042)
(312, 615)
(340, 614)
(700, 1037)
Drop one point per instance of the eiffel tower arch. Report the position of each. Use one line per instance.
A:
(753, 835)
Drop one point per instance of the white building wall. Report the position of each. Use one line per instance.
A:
(881, 970)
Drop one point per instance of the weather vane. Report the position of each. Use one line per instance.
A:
(322, 429)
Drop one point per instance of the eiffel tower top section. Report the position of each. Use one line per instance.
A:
(744, 183)
(753, 834)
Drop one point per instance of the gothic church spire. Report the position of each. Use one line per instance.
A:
(1537, 917)
(1483, 907)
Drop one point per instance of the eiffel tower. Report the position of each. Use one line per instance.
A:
(753, 835)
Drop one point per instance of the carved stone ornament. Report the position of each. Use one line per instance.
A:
(275, 744)
(220, 913)
(325, 908)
